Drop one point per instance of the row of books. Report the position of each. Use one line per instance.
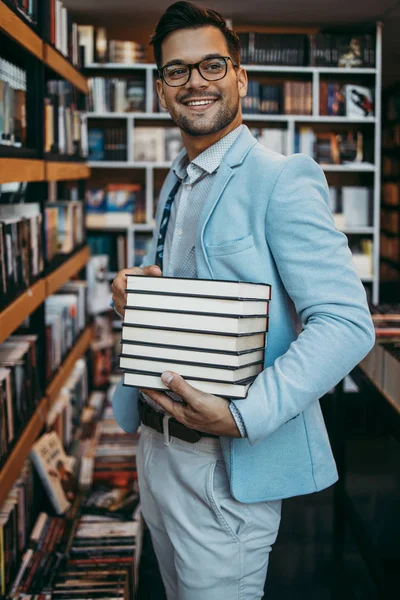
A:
(142, 246)
(320, 49)
(62, 31)
(348, 100)
(116, 94)
(12, 104)
(112, 246)
(352, 206)
(65, 317)
(64, 226)
(20, 388)
(18, 515)
(99, 49)
(108, 143)
(390, 221)
(288, 98)
(390, 166)
(118, 204)
(199, 329)
(156, 144)
(65, 124)
(391, 136)
(21, 248)
(347, 148)
(27, 8)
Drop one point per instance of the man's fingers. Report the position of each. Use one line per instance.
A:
(153, 270)
(173, 408)
(177, 384)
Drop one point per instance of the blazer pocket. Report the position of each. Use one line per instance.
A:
(233, 247)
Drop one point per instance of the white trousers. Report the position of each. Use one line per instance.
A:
(209, 546)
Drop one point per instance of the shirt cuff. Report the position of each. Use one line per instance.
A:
(238, 419)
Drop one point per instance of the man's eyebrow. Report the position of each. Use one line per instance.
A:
(179, 61)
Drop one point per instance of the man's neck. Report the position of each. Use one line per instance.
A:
(195, 145)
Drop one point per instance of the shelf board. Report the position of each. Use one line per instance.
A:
(62, 171)
(12, 468)
(63, 67)
(128, 165)
(63, 372)
(71, 266)
(21, 169)
(14, 27)
(369, 168)
(13, 315)
(355, 230)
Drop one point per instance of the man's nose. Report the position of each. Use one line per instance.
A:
(196, 80)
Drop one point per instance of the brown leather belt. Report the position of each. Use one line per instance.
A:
(154, 419)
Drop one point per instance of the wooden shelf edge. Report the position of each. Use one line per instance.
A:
(63, 67)
(71, 266)
(13, 26)
(21, 169)
(80, 347)
(12, 468)
(13, 315)
(61, 171)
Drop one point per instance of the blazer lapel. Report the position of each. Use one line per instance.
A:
(233, 158)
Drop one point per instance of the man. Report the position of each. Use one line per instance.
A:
(230, 209)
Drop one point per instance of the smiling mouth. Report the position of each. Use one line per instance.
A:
(195, 103)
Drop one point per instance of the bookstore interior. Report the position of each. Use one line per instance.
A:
(86, 144)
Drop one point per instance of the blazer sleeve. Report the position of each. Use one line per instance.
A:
(316, 268)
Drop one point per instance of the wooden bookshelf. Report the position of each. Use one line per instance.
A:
(13, 315)
(13, 26)
(62, 171)
(71, 266)
(12, 468)
(20, 169)
(55, 61)
(80, 347)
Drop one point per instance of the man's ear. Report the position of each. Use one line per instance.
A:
(242, 82)
(160, 92)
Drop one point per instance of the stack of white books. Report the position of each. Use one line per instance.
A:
(211, 332)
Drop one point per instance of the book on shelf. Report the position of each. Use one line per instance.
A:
(65, 124)
(156, 144)
(115, 204)
(20, 390)
(359, 101)
(111, 245)
(180, 302)
(273, 138)
(97, 48)
(28, 9)
(107, 144)
(21, 248)
(13, 119)
(273, 49)
(297, 97)
(149, 381)
(357, 204)
(332, 100)
(207, 323)
(62, 31)
(98, 282)
(203, 356)
(346, 50)
(55, 469)
(64, 227)
(334, 148)
(361, 250)
(205, 372)
(116, 95)
(143, 242)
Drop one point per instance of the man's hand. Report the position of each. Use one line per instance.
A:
(120, 283)
(203, 412)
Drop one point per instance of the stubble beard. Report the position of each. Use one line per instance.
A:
(196, 127)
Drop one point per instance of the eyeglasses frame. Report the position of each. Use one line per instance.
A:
(197, 67)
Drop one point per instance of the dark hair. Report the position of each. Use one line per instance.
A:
(185, 15)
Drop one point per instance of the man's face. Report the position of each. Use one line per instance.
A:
(191, 46)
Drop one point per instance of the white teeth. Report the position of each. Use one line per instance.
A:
(199, 102)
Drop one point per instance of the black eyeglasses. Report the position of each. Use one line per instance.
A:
(211, 69)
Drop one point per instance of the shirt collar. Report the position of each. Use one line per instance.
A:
(210, 159)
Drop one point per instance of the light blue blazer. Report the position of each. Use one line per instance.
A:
(267, 220)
